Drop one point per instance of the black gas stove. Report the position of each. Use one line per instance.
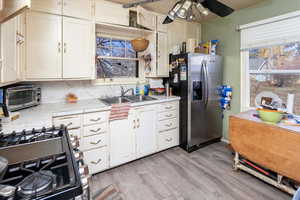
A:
(41, 166)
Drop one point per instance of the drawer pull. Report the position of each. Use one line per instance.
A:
(168, 107)
(96, 120)
(169, 140)
(96, 162)
(134, 124)
(138, 121)
(94, 143)
(170, 115)
(69, 124)
(95, 131)
(169, 125)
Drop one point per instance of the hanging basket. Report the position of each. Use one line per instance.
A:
(140, 44)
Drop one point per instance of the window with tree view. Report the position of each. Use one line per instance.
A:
(116, 58)
(275, 69)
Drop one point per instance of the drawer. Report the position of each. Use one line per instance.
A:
(167, 124)
(168, 139)
(69, 121)
(96, 159)
(93, 142)
(168, 106)
(95, 129)
(75, 132)
(95, 118)
(167, 115)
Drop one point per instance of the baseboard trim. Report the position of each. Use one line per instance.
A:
(225, 140)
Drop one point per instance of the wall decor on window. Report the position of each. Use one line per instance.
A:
(116, 58)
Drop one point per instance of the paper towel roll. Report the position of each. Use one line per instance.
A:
(290, 103)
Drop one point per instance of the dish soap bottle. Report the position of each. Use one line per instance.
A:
(137, 89)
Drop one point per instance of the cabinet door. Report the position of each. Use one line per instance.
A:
(78, 8)
(9, 70)
(160, 26)
(49, 6)
(43, 46)
(77, 48)
(162, 55)
(146, 132)
(151, 72)
(122, 141)
(146, 18)
(112, 13)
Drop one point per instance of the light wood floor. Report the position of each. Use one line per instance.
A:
(176, 175)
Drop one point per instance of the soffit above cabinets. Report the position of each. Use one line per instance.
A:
(164, 6)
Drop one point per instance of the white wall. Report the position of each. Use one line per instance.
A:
(54, 92)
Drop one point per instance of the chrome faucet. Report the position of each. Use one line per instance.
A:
(124, 92)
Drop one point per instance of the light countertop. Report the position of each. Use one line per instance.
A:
(249, 115)
(41, 116)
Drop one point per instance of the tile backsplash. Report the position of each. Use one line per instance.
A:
(55, 92)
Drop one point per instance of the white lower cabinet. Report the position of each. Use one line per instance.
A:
(168, 139)
(145, 132)
(96, 159)
(122, 140)
(106, 144)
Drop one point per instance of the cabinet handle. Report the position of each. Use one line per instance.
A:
(95, 120)
(94, 143)
(59, 47)
(169, 140)
(96, 131)
(65, 47)
(170, 115)
(169, 125)
(138, 121)
(96, 162)
(168, 107)
(134, 125)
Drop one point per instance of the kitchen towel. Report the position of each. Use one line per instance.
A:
(297, 195)
(119, 111)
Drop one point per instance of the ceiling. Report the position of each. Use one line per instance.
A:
(164, 6)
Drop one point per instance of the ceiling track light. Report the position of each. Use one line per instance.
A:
(201, 9)
(183, 11)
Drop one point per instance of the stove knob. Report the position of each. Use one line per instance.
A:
(84, 170)
(78, 155)
(85, 182)
(74, 142)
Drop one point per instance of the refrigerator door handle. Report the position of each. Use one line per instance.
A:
(206, 84)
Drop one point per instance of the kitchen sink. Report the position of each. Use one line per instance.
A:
(126, 99)
(115, 100)
(135, 99)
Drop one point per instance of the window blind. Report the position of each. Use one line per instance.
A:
(275, 31)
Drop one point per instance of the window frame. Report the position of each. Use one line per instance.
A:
(120, 80)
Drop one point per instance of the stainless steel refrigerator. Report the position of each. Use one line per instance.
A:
(196, 79)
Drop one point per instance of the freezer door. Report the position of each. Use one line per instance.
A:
(205, 116)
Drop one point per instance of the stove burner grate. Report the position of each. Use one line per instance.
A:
(37, 183)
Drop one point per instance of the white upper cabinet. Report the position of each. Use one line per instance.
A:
(49, 6)
(43, 46)
(73, 8)
(78, 8)
(112, 13)
(160, 26)
(77, 48)
(146, 18)
(146, 131)
(162, 55)
(9, 68)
